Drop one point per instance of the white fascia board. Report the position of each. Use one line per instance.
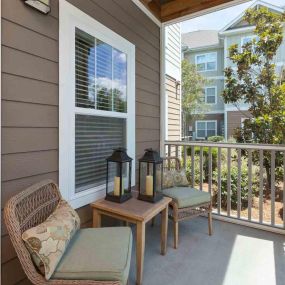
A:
(147, 12)
(237, 31)
(203, 48)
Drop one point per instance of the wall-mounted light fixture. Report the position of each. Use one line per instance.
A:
(42, 6)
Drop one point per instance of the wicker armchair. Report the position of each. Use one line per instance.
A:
(177, 214)
(28, 209)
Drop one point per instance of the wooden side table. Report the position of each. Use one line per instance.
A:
(139, 213)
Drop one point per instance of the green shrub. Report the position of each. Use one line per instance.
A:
(216, 139)
(196, 170)
(234, 184)
(205, 159)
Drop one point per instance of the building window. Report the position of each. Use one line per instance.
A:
(97, 103)
(205, 129)
(248, 39)
(206, 62)
(210, 95)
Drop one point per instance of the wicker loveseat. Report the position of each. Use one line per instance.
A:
(186, 202)
(93, 254)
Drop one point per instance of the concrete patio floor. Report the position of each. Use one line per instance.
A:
(234, 255)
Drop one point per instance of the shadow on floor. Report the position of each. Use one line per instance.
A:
(234, 255)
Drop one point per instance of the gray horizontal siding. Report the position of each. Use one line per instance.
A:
(30, 96)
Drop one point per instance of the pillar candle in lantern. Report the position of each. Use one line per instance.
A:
(117, 182)
(149, 185)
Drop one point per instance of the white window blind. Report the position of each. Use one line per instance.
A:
(95, 138)
(101, 74)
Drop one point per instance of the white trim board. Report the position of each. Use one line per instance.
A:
(147, 12)
(71, 17)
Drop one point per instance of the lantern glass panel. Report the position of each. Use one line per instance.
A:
(146, 170)
(116, 172)
(159, 169)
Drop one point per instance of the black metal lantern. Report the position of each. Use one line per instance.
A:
(150, 176)
(118, 177)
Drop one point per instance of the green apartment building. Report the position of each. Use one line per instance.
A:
(208, 50)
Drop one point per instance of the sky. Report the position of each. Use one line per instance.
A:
(213, 21)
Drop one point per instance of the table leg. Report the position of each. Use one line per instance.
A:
(96, 219)
(140, 250)
(164, 226)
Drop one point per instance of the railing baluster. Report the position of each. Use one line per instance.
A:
(229, 159)
(169, 150)
(219, 181)
(261, 186)
(176, 154)
(284, 190)
(249, 183)
(239, 185)
(185, 156)
(193, 166)
(201, 168)
(210, 171)
(273, 187)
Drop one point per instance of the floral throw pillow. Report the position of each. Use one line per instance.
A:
(47, 241)
(179, 178)
(168, 181)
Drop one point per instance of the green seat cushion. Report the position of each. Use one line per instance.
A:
(186, 196)
(101, 254)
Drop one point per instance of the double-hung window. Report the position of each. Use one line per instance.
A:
(96, 103)
(210, 95)
(205, 129)
(206, 62)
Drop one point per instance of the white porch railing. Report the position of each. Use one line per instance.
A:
(246, 181)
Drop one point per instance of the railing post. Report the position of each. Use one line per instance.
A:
(249, 183)
(201, 168)
(210, 171)
(261, 186)
(229, 160)
(193, 166)
(185, 157)
(284, 190)
(239, 185)
(219, 181)
(272, 187)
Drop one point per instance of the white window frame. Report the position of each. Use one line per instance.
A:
(205, 92)
(205, 54)
(205, 121)
(71, 17)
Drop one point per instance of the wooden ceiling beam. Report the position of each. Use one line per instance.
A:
(180, 8)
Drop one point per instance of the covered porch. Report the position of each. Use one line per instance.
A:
(39, 142)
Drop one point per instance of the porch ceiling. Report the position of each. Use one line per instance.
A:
(166, 10)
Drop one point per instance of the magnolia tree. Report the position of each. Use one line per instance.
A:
(193, 99)
(255, 80)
